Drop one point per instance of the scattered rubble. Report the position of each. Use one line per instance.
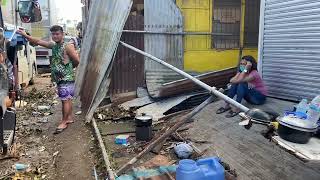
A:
(32, 113)
(114, 113)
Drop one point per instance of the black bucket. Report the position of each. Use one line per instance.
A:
(143, 128)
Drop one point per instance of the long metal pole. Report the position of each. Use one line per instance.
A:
(212, 90)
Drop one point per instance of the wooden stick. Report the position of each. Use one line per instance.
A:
(170, 131)
(133, 131)
(103, 149)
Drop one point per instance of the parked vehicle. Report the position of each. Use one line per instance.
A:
(21, 55)
(26, 57)
(43, 57)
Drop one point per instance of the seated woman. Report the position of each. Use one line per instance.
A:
(246, 84)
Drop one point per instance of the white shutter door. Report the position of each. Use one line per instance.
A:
(289, 48)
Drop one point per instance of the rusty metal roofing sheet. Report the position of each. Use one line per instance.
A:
(217, 79)
(105, 24)
(162, 16)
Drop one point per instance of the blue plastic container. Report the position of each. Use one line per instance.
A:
(203, 169)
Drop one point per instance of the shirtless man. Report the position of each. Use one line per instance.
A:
(64, 59)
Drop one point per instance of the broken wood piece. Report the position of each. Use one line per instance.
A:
(133, 131)
(170, 131)
(125, 132)
(158, 148)
(169, 176)
(156, 161)
(7, 157)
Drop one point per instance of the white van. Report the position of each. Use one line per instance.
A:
(26, 58)
(26, 64)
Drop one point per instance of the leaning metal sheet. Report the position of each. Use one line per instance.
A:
(162, 16)
(105, 25)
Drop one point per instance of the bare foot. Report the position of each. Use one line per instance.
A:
(70, 121)
(62, 125)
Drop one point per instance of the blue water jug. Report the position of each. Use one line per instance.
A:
(203, 169)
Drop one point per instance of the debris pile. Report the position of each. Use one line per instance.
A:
(115, 113)
(30, 159)
(170, 136)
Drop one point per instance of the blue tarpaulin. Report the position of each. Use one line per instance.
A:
(15, 39)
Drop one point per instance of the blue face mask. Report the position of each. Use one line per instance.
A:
(242, 68)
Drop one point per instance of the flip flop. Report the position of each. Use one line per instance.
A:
(60, 130)
(232, 114)
(70, 122)
(222, 110)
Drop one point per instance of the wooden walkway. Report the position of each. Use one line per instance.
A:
(247, 151)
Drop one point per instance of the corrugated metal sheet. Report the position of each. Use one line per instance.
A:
(158, 109)
(218, 79)
(162, 16)
(105, 25)
(128, 68)
(289, 48)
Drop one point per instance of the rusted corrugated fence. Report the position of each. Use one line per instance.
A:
(128, 69)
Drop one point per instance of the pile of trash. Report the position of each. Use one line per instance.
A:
(115, 113)
(34, 109)
(29, 157)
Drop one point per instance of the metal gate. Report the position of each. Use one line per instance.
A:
(289, 43)
(162, 16)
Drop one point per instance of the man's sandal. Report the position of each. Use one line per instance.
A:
(60, 130)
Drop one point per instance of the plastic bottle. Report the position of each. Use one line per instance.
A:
(303, 106)
(314, 110)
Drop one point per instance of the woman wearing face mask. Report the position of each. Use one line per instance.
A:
(246, 84)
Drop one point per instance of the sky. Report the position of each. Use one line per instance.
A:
(69, 9)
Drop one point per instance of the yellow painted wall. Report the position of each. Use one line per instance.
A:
(198, 54)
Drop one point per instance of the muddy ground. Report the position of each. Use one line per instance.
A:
(69, 155)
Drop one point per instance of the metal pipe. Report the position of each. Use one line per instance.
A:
(177, 33)
(212, 90)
